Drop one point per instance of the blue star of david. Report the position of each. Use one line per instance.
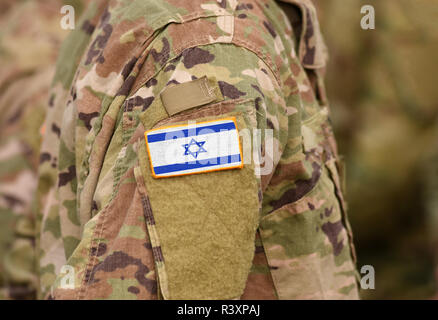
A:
(197, 152)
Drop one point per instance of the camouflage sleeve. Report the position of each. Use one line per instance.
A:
(164, 90)
(203, 226)
(210, 219)
(219, 209)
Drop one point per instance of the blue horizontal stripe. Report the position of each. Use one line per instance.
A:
(176, 134)
(206, 163)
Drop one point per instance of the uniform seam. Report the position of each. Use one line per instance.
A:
(96, 239)
(266, 59)
(203, 42)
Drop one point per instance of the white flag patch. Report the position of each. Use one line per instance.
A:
(194, 148)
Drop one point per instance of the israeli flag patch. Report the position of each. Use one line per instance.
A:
(194, 148)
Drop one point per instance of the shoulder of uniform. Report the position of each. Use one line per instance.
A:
(253, 25)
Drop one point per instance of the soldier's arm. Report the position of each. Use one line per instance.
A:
(192, 233)
(202, 216)
(146, 203)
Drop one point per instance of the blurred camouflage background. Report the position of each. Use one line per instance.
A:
(30, 37)
(382, 86)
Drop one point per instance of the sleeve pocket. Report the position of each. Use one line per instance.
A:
(204, 225)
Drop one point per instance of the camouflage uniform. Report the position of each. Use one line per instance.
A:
(30, 38)
(430, 176)
(384, 106)
(221, 235)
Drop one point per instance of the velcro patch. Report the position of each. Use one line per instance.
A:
(194, 148)
(188, 95)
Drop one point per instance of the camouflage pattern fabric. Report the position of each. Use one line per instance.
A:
(29, 42)
(30, 39)
(99, 217)
(430, 176)
(381, 85)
